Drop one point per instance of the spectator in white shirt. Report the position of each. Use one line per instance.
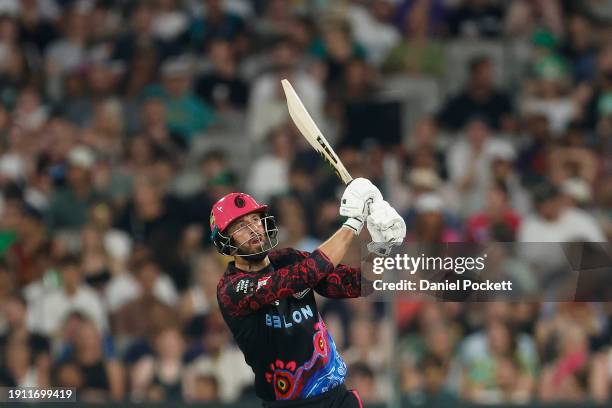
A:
(469, 163)
(48, 313)
(554, 221)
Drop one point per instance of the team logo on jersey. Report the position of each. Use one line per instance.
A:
(262, 282)
(301, 294)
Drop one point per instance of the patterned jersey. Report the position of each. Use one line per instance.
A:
(274, 318)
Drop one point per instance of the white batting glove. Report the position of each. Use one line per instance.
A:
(355, 201)
(386, 227)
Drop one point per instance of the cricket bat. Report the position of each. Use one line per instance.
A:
(308, 128)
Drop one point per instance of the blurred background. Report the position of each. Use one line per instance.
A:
(121, 122)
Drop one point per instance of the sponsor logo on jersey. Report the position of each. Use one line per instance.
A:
(243, 285)
(295, 317)
(301, 294)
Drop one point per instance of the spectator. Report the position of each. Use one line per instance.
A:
(267, 107)
(417, 54)
(221, 87)
(218, 23)
(149, 217)
(159, 377)
(430, 224)
(478, 98)
(554, 222)
(68, 205)
(564, 379)
(199, 300)
(487, 376)
(469, 163)
(497, 212)
(362, 378)
(101, 373)
(222, 360)
(476, 18)
(186, 114)
(26, 359)
(371, 26)
(269, 173)
(49, 312)
(293, 222)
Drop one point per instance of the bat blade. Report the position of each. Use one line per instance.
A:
(303, 121)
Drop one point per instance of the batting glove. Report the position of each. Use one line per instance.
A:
(386, 227)
(355, 201)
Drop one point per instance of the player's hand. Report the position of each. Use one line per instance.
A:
(386, 227)
(355, 201)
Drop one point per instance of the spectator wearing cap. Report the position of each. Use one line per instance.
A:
(69, 204)
(430, 224)
(555, 222)
(423, 181)
(469, 163)
(577, 193)
(549, 93)
(479, 97)
(503, 157)
(552, 222)
(186, 114)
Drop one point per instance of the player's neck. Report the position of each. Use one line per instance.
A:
(251, 266)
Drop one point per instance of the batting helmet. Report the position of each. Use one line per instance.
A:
(230, 208)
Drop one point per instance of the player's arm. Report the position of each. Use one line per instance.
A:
(387, 229)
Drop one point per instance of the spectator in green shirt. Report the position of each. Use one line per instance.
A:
(186, 114)
(416, 54)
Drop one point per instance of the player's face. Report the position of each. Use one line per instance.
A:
(248, 234)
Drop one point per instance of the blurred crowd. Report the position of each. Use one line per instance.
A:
(122, 121)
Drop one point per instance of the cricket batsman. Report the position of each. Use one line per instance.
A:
(267, 298)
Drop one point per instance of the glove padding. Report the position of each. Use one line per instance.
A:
(357, 195)
(386, 227)
(355, 201)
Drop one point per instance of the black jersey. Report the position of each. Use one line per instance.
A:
(274, 318)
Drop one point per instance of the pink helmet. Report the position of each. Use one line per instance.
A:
(227, 210)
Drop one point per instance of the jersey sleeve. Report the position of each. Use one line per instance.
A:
(343, 282)
(241, 294)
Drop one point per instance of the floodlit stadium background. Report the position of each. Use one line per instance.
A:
(121, 122)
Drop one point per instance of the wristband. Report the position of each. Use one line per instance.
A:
(354, 224)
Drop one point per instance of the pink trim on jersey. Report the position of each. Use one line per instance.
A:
(358, 398)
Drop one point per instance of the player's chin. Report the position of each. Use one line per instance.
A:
(252, 247)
